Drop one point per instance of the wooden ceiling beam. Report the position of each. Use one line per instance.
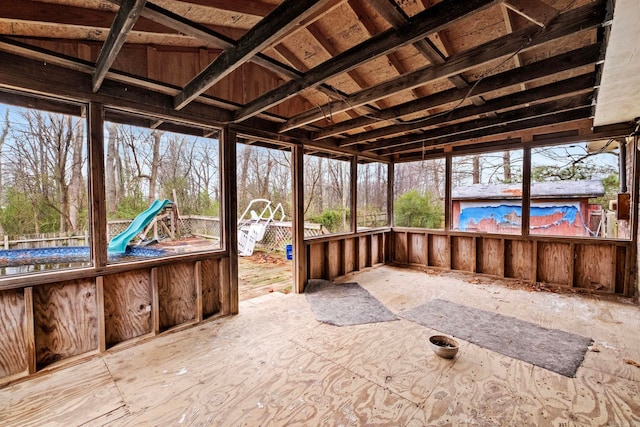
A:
(566, 61)
(576, 20)
(535, 11)
(579, 84)
(510, 121)
(555, 64)
(270, 29)
(434, 19)
(122, 24)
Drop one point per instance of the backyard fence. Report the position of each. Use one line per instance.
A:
(277, 236)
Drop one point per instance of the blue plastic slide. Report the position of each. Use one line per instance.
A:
(119, 243)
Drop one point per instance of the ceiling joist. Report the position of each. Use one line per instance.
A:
(573, 21)
(125, 19)
(431, 20)
(270, 29)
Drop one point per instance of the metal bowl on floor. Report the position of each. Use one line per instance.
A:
(444, 346)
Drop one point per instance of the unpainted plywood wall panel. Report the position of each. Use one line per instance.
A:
(210, 287)
(555, 263)
(439, 251)
(595, 267)
(316, 260)
(364, 248)
(177, 294)
(13, 346)
(490, 256)
(518, 260)
(350, 261)
(463, 253)
(375, 248)
(66, 321)
(127, 306)
(417, 248)
(400, 248)
(334, 260)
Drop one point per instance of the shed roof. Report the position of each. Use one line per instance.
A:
(539, 190)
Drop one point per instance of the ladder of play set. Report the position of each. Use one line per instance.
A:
(252, 229)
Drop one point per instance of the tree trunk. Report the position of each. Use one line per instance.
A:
(506, 165)
(3, 137)
(77, 186)
(155, 163)
(110, 172)
(476, 169)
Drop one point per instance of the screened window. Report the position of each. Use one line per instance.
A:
(162, 192)
(372, 195)
(419, 189)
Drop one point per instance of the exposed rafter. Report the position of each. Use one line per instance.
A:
(486, 126)
(582, 83)
(580, 19)
(556, 64)
(278, 23)
(125, 19)
(434, 19)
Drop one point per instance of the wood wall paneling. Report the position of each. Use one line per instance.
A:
(66, 322)
(210, 287)
(490, 256)
(13, 342)
(417, 243)
(621, 271)
(439, 251)
(350, 260)
(127, 306)
(316, 260)
(518, 260)
(595, 267)
(333, 261)
(399, 254)
(463, 253)
(362, 252)
(555, 261)
(375, 249)
(177, 296)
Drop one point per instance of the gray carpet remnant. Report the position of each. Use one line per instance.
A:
(345, 304)
(552, 349)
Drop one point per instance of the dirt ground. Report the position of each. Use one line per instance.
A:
(262, 273)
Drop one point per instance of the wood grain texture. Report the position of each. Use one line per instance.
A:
(276, 365)
(417, 243)
(363, 250)
(315, 262)
(463, 255)
(595, 267)
(518, 259)
(82, 395)
(438, 251)
(350, 260)
(13, 343)
(490, 256)
(176, 292)
(399, 254)
(333, 258)
(66, 322)
(210, 287)
(554, 263)
(375, 249)
(127, 306)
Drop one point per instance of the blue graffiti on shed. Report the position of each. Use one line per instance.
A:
(511, 214)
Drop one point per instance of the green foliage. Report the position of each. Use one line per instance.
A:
(414, 210)
(130, 206)
(18, 215)
(332, 219)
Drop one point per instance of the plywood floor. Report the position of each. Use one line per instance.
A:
(273, 364)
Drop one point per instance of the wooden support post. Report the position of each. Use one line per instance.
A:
(102, 337)
(197, 278)
(354, 194)
(29, 329)
(300, 255)
(224, 285)
(631, 276)
(98, 211)
(230, 214)
(526, 191)
(447, 193)
(390, 193)
(155, 302)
